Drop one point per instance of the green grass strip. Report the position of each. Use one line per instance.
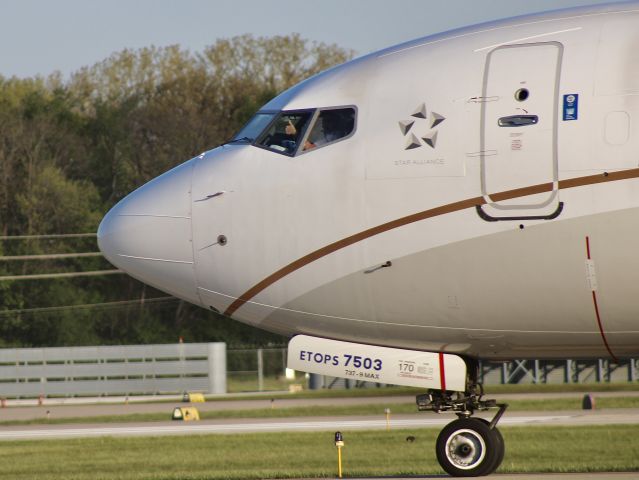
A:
(491, 390)
(309, 455)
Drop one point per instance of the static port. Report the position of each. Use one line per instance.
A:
(522, 94)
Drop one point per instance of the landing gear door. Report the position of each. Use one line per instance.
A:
(518, 132)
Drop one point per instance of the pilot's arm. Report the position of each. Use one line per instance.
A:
(290, 128)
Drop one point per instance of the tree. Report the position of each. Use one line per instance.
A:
(70, 149)
(54, 203)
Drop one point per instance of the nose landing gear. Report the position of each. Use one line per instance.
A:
(466, 447)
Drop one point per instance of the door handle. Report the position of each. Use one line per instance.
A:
(518, 121)
(379, 267)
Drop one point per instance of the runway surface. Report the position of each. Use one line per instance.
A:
(344, 424)
(535, 476)
(67, 408)
(227, 426)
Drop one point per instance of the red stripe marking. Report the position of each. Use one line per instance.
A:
(594, 301)
(601, 330)
(442, 371)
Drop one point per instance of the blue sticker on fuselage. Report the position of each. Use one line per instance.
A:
(571, 107)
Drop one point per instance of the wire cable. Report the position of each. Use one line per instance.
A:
(43, 276)
(116, 304)
(50, 256)
(39, 237)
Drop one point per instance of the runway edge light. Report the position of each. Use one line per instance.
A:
(588, 402)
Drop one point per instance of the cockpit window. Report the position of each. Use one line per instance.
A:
(299, 131)
(285, 133)
(330, 126)
(254, 127)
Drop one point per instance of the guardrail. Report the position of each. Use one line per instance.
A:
(113, 370)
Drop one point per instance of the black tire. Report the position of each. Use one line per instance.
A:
(501, 446)
(468, 448)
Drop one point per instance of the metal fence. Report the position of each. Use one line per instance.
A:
(258, 370)
(264, 369)
(210, 368)
(113, 370)
(559, 371)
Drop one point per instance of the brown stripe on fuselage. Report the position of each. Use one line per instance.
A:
(416, 217)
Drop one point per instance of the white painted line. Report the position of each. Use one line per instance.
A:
(191, 429)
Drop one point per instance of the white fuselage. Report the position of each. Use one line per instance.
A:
(495, 167)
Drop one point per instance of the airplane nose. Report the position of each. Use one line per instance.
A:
(149, 236)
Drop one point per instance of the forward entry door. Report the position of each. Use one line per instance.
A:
(518, 131)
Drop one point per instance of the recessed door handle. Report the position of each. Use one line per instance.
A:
(379, 267)
(518, 121)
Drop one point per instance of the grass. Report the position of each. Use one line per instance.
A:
(238, 383)
(333, 410)
(274, 384)
(276, 388)
(562, 387)
(312, 454)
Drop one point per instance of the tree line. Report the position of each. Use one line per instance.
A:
(70, 148)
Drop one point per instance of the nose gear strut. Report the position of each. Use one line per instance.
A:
(468, 446)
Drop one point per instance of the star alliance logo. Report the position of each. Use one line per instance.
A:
(419, 116)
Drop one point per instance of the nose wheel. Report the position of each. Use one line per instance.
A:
(469, 447)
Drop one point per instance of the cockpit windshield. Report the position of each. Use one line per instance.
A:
(254, 127)
(300, 131)
(285, 133)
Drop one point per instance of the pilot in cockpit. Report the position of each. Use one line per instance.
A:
(285, 133)
(330, 126)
